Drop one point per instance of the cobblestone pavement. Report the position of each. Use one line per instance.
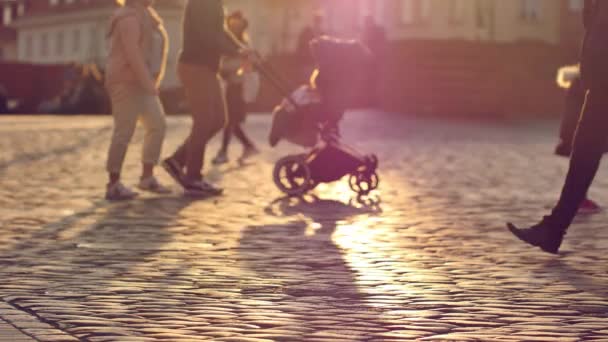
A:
(431, 260)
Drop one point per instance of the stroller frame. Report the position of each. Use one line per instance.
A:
(330, 161)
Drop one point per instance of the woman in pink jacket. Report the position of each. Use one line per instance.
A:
(135, 68)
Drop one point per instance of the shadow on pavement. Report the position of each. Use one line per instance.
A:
(565, 272)
(99, 261)
(310, 271)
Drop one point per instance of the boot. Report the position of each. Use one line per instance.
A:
(544, 235)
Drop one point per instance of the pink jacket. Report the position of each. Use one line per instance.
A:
(131, 43)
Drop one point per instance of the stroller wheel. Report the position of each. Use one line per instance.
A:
(292, 175)
(363, 183)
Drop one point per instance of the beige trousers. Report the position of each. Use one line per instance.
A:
(130, 103)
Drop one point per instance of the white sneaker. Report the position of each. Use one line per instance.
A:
(119, 192)
(151, 184)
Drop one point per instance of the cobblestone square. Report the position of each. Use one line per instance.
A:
(428, 259)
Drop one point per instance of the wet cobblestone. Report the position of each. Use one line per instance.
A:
(428, 259)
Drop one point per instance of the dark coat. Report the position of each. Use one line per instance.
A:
(594, 55)
(205, 38)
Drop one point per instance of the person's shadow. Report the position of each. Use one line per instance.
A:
(109, 250)
(302, 262)
(563, 271)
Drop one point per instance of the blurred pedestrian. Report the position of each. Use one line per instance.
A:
(206, 40)
(373, 36)
(135, 68)
(308, 34)
(233, 70)
(590, 138)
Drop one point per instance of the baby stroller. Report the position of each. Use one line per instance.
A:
(309, 117)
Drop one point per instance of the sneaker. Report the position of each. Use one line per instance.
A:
(174, 169)
(152, 184)
(589, 207)
(221, 158)
(201, 189)
(543, 235)
(119, 192)
(249, 152)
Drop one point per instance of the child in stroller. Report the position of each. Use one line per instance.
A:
(313, 112)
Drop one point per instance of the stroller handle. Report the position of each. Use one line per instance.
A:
(272, 76)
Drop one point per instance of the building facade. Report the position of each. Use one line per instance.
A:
(276, 24)
(63, 31)
(66, 31)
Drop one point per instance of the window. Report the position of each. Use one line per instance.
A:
(407, 11)
(415, 11)
(576, 5)
(531, 10)
(60, 43)
(76, 40)
(457, 11)
(44, 44)
(482, 13)
(29, 46)
(7, 15)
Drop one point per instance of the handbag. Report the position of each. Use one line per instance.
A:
(251, 86)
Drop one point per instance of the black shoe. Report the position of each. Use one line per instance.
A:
(174, 170)
(201, 189)
(542, 235)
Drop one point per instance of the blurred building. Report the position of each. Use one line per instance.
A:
(276, 24)
(57, 31)
(489, 42)
(65, 31)
(446, 56)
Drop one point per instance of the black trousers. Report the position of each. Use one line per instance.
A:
(589, 146)
(237, 110)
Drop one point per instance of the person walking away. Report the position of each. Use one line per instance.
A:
(206, 40)
(590, 138)
(232, 71)
(373, 36)
(135, 68)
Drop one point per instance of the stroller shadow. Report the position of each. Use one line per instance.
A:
(323, 211)
(306, 265)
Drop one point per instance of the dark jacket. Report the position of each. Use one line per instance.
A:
(594, 55)
(205, 38)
